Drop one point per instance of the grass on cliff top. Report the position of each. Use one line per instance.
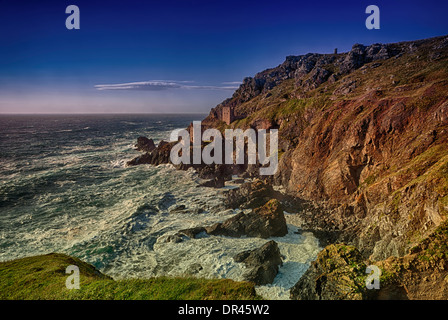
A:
(43, 277)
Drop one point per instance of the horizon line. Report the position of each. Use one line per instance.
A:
(95, 113)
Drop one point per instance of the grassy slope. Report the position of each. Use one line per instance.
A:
(43, 277)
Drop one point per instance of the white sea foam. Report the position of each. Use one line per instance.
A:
(122, 238)
(121, 163)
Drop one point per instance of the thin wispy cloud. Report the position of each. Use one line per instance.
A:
(233, 82)
(157, 85)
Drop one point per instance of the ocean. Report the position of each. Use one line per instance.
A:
(65, 187)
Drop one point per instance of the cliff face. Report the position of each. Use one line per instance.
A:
(363, 138)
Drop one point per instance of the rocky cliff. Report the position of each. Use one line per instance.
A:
(363, 140)
(363, 144)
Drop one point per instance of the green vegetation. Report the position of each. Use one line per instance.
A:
(43, 277)
(291, 106)
(343, 266)
(389, 277)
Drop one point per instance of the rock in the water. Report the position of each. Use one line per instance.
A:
(143, 159)
(263, 222)
(159, 155)
(270, 218)
(194, 268)
(191, 232)
(263, 263)
(178, 209)
(176, 238)
(145, 144)
(167, 200)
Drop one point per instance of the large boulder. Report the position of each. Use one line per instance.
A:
(263, 222)
(262, 263)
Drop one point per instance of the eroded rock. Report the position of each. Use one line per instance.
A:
(263, 222)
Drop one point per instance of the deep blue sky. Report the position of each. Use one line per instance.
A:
(198, 50)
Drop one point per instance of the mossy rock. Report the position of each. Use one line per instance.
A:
(339, 273)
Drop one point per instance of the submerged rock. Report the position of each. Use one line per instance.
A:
(178, 209)
(194, 268)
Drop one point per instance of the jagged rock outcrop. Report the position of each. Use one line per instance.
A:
(421, 274)
(216, 174)
(145, 144)
(263, 263)
(191, 232)
(263, 222)
(158, 155)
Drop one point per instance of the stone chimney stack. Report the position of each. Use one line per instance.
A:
(227, 115)
(336, 51)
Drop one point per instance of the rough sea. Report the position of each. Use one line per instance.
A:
(65, 187)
